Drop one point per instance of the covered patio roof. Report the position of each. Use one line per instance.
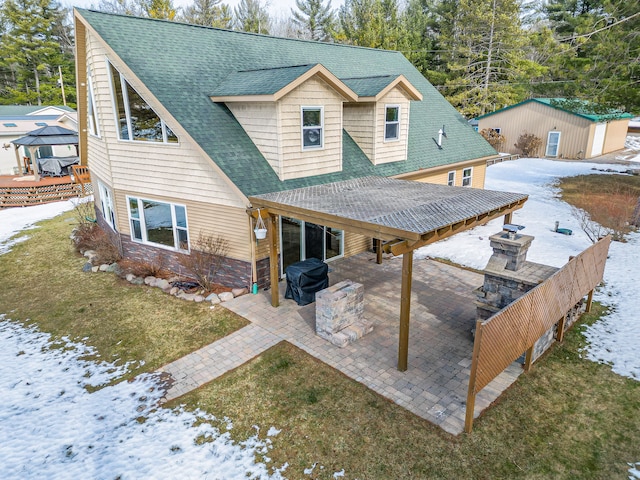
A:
(405, 214)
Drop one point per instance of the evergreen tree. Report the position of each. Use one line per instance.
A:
(162, 9)
(371, 23)
(314, 19)
(488, 51)
(210, 13)
(252, 16)
(34, 48)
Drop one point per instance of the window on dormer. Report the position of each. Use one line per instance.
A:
(312, 127)
(136, 119)
(392, 123)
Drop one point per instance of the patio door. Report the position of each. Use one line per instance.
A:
(553, 142)
(301, 240)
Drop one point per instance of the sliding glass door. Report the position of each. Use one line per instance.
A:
(301, 240)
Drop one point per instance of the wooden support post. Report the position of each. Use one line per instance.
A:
(471, 392)
(19, 161)
(589, 301)
(378, 244)
(272, 228)
(560, 330)
(528, 359)
(405, 310)
(507, 218)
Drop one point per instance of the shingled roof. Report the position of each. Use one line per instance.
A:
(182, 65)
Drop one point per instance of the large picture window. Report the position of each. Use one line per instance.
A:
(158, 223)
(391, 123)
(136, 119)
(312, 127)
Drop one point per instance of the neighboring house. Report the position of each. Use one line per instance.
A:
(180, 124)
(567, 128)
(17, 120)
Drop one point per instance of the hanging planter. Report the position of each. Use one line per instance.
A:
(261, 229)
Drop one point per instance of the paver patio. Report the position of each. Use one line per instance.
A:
(440, 348)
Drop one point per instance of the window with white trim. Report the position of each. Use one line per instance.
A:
(467, 174)
(106, 200)
(92, 115)
(451, 178)
(391, 123)
(158, 223)
(312, 127)
(136, 120)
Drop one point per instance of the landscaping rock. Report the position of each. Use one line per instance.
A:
(198, 298)
(87, 267)
(213, 298)
(138, 281)
(163, 284)
(113, 268)
(174, 291)
(150, 280)
(95, 269)
(89, 253)
(104, 267)
(239, 291)
(130, 277)
(225, 296)
(187, 296)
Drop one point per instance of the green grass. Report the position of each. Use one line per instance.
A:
(43, 283)
(568, 418)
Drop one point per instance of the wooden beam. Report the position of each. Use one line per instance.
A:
(507, 218)
(322, 218)
(589, 301)
(378, 244)
(400, 247)
(405, 310)
(471, 392)
(560, 328)
(272, 229)
(528, 358)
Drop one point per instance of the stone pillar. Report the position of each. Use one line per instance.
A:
(510, 247)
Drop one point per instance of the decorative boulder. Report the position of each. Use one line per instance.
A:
(225, 296)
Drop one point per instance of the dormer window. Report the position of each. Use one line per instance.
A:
(312, 128)
(392, 123)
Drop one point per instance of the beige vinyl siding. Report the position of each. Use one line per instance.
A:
(148, 168)
(260, 121)
(440, 175)
(359, 122)
(395, 150)
(355, 244)
(296, 162)
(616, 135)
(539, 119)
(210, 219)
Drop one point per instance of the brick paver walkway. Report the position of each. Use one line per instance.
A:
(442, 315)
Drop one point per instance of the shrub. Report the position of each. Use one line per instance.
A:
(87, 235)
(205, 259)
(528, 144)
(495, 139)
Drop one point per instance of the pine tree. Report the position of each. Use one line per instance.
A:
(314, 19)
(210, 13)
(252, 16)
(371, 23)
(34, 47)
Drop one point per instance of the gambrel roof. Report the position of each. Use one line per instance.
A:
(183, 65)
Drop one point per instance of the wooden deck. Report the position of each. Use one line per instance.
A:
(16, 191)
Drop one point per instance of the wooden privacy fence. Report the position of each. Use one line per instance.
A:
(502, 338)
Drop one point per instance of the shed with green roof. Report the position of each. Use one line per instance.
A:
(566, 128)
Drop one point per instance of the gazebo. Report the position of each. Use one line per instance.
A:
(46, 136)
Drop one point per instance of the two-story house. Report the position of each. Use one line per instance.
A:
(181, 124)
